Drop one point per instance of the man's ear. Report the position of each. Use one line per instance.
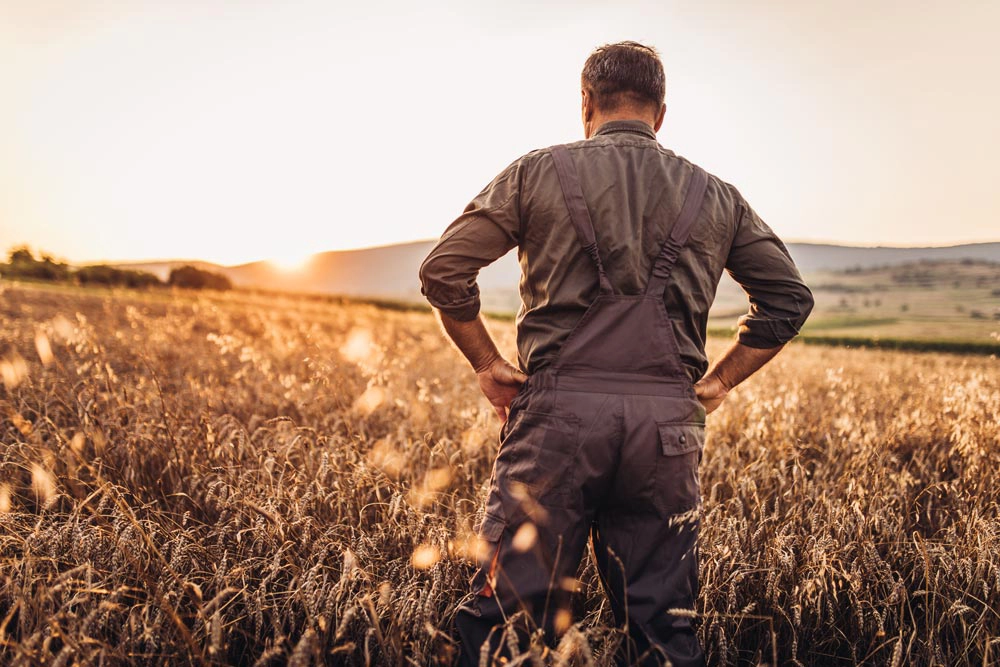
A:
(586, 112)
(659, 117)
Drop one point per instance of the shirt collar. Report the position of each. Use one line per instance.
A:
(633, 126)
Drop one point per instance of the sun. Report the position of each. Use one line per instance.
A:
(290, 261)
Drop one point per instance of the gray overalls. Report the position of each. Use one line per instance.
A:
(605, 442)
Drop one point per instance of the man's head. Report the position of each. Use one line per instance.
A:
(623, 81)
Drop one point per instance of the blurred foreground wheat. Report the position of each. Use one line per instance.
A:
(263, 480)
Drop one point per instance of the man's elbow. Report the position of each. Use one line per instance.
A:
(457, 298)
(426, 274)
(433, 283)
(775, 316)
(806, 303)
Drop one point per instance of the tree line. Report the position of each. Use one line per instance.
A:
(22, 264)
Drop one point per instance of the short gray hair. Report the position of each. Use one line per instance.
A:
(626, 72)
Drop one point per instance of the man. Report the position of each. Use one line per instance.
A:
(622, 244)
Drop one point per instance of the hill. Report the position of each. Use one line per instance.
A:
(812, 257)
(384, 272)
(390, 272)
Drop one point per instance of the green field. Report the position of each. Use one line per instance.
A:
(940, 306)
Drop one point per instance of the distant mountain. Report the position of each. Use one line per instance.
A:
(813, 257)
(384, 272)
(390, 272)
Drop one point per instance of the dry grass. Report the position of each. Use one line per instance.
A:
(223, 479)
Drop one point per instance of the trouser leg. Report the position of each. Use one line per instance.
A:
(649, 569)
(645, 537)
(537, 519)
(522, 585)
(479, 627)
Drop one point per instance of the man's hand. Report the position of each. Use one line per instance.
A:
(734, 366)
(711, 392)
(498, 379)
(499, 382)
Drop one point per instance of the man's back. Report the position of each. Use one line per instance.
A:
(634, 189)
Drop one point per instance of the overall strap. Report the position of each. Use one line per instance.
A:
(679, 234)
(569, 182)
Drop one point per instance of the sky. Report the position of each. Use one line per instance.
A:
(233, 131)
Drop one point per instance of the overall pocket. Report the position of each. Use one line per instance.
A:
(513, 410)
(538, 452)
(677, 486)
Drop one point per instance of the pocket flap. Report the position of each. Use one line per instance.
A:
(491, 528)
(681, 437)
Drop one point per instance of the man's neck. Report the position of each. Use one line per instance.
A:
(599, 118)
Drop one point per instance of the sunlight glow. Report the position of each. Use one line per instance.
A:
(290, 262)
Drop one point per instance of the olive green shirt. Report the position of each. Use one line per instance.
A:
(634, 189)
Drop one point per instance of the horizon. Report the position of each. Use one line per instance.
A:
(225, 134)
(154, 260)
(164, 260)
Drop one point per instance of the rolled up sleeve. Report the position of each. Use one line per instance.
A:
(487, 229)
(780, 301)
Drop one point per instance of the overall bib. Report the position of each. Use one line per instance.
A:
(604, 444)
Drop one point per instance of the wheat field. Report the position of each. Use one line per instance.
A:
(199, 479)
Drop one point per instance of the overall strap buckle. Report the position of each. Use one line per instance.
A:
(664, 262)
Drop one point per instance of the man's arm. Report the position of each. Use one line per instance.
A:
(735, 365)
(780, 302)
(498, 379)
(487, 229)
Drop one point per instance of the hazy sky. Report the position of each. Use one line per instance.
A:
(243, 130)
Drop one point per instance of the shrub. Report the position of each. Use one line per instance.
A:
(192, 277)
(23, 264)
(102, 274)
